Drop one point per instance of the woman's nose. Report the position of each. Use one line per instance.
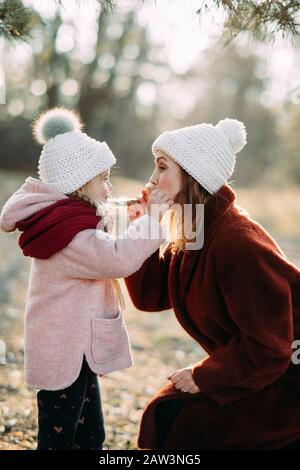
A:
(153, 179)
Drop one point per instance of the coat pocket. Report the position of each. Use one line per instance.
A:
(109, 338)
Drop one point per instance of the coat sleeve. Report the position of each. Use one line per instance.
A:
(257, 296)
(148, 287)
(95, 254)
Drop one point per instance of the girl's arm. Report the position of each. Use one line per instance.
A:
(95, 254)
(148, 287)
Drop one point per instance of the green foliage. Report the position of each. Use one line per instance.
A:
(16, 21)
(262, 19)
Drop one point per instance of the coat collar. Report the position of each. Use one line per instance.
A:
(184, 264)
(215, 209)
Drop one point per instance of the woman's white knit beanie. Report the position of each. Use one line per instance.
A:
(205, 151)
(70, 158)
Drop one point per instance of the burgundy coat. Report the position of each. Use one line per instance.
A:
(239, 298)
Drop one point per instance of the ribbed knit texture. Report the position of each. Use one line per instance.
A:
(204, 151)
(70, 160)
(51, 229)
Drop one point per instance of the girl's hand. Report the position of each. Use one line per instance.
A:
(137, 210)
(183, 380)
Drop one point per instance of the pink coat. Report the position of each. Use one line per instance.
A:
(71, 308)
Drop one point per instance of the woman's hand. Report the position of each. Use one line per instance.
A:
(154, 204)
(157, 204)
(183, 380)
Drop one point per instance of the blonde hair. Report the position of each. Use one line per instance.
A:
(80, 194)
(191, 193)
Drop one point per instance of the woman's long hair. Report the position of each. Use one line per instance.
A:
(180, 223)
(82, 195)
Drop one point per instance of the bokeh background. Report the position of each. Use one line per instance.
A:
(133, 72)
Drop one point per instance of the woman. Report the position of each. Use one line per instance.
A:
(237, 296)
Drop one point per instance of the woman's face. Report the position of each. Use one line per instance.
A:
(167, 174)
(99, 188)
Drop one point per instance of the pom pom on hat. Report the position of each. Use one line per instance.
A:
(235, 132)
(54, 122)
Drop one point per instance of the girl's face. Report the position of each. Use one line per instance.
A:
(167, 174)
(99, 188)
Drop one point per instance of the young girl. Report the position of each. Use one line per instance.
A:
(74, 326)
(237, 296)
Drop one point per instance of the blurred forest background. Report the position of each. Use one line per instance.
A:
(146, 67)
(132, 72)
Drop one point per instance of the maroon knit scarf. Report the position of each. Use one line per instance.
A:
(51, 229)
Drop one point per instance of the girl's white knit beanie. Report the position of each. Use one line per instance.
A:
(205, 151)
(70, 158)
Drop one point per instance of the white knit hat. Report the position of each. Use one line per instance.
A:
(70, 158)
(205, 151)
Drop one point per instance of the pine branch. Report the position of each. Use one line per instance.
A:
(263, 19)
(15, 20)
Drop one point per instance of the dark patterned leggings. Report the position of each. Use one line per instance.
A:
(72, 418)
